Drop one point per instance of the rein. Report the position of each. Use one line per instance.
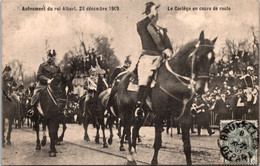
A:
(191, 79)
(49, 90)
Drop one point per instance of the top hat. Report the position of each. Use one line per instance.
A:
(148, 7)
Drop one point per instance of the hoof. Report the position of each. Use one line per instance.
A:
(97, 141)
(86, 138)
(110, 140)
(105, 145)
(121, 148)
(9, 143)
(44, 139)
(131, 162)
(60, 139)
(52, 154)
(140, 140)
(38, 147)
(58, 143)
(154, 162)
(212, 133)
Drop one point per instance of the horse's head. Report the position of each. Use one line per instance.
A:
(201, 61)
(193, 60)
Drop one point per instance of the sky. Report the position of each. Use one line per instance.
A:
(24, 33)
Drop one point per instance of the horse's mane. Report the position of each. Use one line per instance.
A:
(186, 49)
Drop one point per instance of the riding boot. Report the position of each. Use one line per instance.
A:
(141, 95)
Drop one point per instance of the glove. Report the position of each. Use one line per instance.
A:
(167, 53)
(49, 81)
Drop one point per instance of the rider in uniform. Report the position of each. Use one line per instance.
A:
(45, 75)
(155, 46)
(113, 81)
(9, 84)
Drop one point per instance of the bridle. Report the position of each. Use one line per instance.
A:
(191, 80)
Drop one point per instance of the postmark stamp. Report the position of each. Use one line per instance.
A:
(238, 142)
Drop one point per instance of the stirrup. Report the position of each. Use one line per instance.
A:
(139, 110)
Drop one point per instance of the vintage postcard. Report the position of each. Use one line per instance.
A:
(111, 82)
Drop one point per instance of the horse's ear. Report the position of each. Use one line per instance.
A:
(201, 35)
(214, 41)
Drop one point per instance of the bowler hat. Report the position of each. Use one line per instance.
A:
(148, 7)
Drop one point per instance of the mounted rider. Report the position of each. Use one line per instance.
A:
(9, 84)
(45, 75)
(114, 79)
(91, 84)
(156, 45)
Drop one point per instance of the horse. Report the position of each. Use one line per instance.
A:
(51, 107)
(10, 110)
(93, 113)
(177, 81)
(68, 110)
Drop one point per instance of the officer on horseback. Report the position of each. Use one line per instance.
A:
(45, 74)
(114, 79)
(155, 44)
(9, 84)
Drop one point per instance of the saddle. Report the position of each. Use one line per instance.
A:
(133, 84)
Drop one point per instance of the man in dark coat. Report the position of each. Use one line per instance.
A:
(155, 44)
(220, 108)
(203, 115)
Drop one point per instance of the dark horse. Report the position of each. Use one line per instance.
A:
(10, 110)
(51, 107)
(93, 113)
(177, 80)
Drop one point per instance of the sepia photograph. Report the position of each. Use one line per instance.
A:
(133, 82)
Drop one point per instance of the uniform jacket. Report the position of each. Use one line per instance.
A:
(220, 107)
(8, 83)
(117, 71)
(46, 71)
(153, 37)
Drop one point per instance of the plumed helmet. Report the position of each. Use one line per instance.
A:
(249, 68)
(128, 60)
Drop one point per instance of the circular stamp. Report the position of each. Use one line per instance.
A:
(238, 141)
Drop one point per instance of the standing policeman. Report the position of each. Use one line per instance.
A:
(45, 74)
(155, 46)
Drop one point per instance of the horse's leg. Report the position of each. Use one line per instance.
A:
(119, 128)
(37, 129)
(60, 139)
(85, 125)
(8, 137)
(131, 150)
(53, 131)
(3, 131)
(121, 148)
(103, 130)
(158, 140)
(110, 140)
(135, 134)
(97, 133)
(44, 138)
(186, 141)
